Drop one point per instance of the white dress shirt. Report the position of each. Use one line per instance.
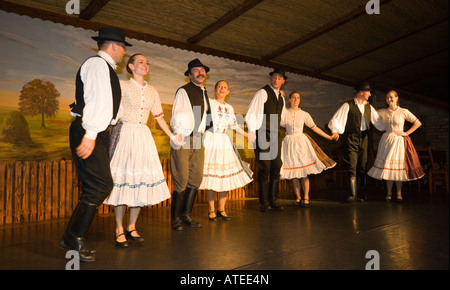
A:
(339, 120)
(255, 112)
(183, 115)
(98, 109)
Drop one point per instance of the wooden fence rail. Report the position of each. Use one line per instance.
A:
(37, 191)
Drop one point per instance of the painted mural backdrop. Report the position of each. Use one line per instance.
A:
(42, 55)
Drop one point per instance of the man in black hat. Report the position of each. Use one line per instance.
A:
(97, 98)
(353, 120)
(263, 120)
(189, 117)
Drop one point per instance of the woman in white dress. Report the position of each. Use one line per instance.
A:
(396, 159)
(223, 168)
(299, 153)
(135, 165)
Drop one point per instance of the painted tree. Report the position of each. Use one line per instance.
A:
(39, 97)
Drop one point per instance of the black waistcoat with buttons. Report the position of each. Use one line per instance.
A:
(353, 124)
(273, 106)
(195, 95)
(79, 92)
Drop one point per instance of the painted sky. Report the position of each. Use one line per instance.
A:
(32, 48)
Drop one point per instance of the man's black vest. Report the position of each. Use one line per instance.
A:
(354, 118)
(272, 106)
(79, 92)
(195, 95)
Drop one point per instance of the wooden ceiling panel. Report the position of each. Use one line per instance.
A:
(272, 24)
(173, 20)
(417, 73)
(334, 40)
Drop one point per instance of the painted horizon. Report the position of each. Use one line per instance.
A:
(32, 48)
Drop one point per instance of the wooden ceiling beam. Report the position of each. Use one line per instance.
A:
(91, 25)
(378, 46)
(361, 10)
(224, 20)
(47, 15)
(438, 103)
(92, 9)
(428, 53)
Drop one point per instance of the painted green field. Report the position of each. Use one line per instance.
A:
(52, 143)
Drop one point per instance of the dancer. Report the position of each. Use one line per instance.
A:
(263, 121)
(353, 119)
(397, 160)
(298, 154)
(97, 97)
(135, 165)
(189, 118)
(223, 168)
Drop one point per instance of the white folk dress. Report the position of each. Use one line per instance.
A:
(394, 151)
(298, 154)
(223, 168)
(135, 165)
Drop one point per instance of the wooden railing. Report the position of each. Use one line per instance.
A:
(37, 191)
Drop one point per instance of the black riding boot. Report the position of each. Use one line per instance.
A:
(273, 195)
(176, 209)
(191, 194)
(353, 189)
(263, 194)
(73, 238)
(359, 196)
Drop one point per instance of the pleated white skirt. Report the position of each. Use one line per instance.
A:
(299, 158)
(223, 168)
(136, 168)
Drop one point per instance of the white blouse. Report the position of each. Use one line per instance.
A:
(138, 101)
(395, 120)
(222, 116)
(294, 121)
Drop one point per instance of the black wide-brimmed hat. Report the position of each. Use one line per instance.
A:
(364, 86)
(111, 34)
(195, 63)
(280, 71)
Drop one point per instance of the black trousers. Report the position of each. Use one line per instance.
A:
(268, 154)
(354, 152)
(94, 172)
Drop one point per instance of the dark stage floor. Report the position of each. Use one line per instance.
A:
(329, 235)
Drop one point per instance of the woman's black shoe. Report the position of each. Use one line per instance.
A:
(123, 244)
(212, 219)
(131, 238)
(219, 214)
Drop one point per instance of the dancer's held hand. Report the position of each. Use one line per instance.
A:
(251, 137)
(178, 139)
(335, 136)
(84, 150)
